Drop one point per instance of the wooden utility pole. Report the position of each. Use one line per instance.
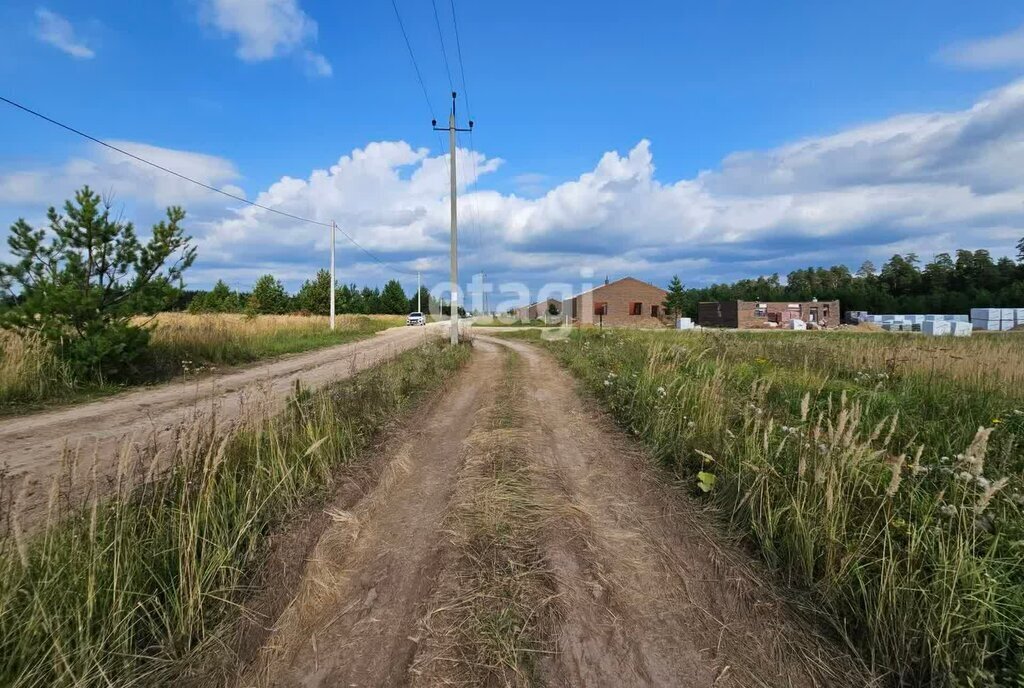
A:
(451, 129)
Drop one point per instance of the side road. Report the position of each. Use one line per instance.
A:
(33, 446)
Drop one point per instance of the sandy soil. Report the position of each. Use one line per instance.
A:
(367, 582)
(650, 591)
(32, 446)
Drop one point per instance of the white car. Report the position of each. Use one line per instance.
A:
(416, 319)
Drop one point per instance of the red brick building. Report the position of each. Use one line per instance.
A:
(626, 302)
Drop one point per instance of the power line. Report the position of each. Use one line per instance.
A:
(444, 53)
(412, 55)
(474, 221)
(197, 182)
(160, 167)
(462, 67)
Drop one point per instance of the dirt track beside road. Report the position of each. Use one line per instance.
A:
(32, 446)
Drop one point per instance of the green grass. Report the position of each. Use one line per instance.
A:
(139, 588)
(860, 475)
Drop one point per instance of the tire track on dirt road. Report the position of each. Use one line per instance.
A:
(365, 588)
(146, 420)
(649, 596)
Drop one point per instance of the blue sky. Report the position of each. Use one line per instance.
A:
(713, 140)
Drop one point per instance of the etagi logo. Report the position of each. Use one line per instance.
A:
(558, 304)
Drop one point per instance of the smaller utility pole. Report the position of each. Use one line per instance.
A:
(419, 308)
(334, 230)
(483, 284)
(452, 148)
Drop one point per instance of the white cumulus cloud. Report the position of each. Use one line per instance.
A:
(267, 29)
(54, 29)
(1004, 50)
(925, 182)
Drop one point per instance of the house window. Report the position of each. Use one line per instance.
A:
(636, 308)
(654, 311)
(824, 311)
(761, 310)
(601, 308)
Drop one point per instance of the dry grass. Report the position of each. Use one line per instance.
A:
(495, 607)
(141, 588)
(29, 370)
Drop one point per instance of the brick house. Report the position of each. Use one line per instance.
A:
(757, 314)
(626, 302)
(538, 311)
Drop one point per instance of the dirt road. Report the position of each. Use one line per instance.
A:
(33, 445)
(633, 585)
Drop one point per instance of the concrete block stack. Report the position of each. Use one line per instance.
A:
(797, 324)
(937, 328)
(993, 319)
(684, 324)
(960, 328)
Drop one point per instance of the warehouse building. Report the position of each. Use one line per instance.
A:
(626, 302)
(765, 314)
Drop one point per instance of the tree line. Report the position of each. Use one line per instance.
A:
(949, 283)
(268, 296)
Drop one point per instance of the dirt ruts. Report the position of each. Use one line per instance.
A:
(636, 586)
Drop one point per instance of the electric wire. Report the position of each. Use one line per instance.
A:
(444, 53)
(199, 183)
(474, 220)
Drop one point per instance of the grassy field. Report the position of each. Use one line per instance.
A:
(144, 587)
(182, 343)
(882, 473)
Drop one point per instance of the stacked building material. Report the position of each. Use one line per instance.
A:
(993, 319)
(959, 328)
(937, 328)
(684, 324)
(797, 324)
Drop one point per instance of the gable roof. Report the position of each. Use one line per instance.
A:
(621, 279)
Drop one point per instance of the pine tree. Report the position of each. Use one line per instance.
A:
(81, 290)
(315, 295)
(675, 302)
(268, 296)
(394, 299)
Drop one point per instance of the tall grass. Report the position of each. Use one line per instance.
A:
(230, 338)
(32, 374)
(135, 589)
(29, 371)
(891, 489)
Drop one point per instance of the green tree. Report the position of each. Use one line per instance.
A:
(1020, 251)
(268, 296)
(867, 269)
(424, 301)
(315, 295)
(220, 299)
(80, 283)
(676, 300)
(394, 299)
